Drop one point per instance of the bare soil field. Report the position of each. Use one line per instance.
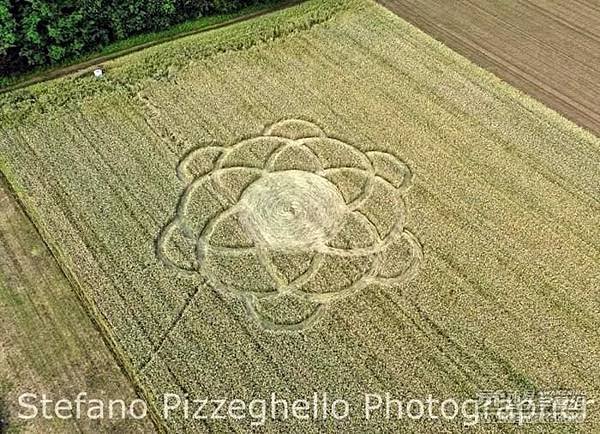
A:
(323, 200)
(48, 344)
(547, 48)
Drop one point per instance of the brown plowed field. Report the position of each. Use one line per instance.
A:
(547, 48)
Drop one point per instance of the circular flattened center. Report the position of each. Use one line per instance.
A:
(292, 210)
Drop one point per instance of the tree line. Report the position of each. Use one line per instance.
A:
(37, 33)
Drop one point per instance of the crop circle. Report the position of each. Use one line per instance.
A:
(292, 210)
(292, 221)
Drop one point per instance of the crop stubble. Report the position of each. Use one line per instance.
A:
(504, 201)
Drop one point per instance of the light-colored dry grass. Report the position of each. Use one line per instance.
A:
(504, 200)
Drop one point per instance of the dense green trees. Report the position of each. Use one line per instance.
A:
(45, 32)
(8, 27)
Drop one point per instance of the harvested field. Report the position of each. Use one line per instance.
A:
(48, 343)
(432, 231)
(547, 48)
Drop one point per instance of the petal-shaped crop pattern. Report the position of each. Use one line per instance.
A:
(291, 221)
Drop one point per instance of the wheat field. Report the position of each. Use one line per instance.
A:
(48, 343)
(449, 239)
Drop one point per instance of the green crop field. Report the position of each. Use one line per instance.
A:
(322, 200)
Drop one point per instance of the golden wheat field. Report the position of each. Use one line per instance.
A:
(321, 203)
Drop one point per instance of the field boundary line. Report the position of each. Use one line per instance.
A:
(91, 64)
(88, 306)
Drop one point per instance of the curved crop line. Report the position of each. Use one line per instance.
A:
(333, 170)
(213, 183)
(372, 226)
(211, 177)
(298, 282)
(242, 293)
(369, 174)
(357, 251)
(398, 228)
(201, 252)
(219, 162)
(266, 324)
(400, 209)
(317, 158)
(232, 251)
(216, 176)
(367, 189)
(193, 154)
(218, 169)
(204, 248)
(286, 142)
(330, 297)
(314, 141)
(185, 198)
(161, 242)
(189, 190)
(349, 168)
(413, 268)
(364, 251)
(366, 193)
(268, 131)
(248, 142)
(275, 155)
(401, 216)
(408, 179)
(274, 273)
(203, 243)
(401, 165)
(221, 196)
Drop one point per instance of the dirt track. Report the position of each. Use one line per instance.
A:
(91, 64)
(547, 48)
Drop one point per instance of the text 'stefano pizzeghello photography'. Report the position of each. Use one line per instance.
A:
(299, 216)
